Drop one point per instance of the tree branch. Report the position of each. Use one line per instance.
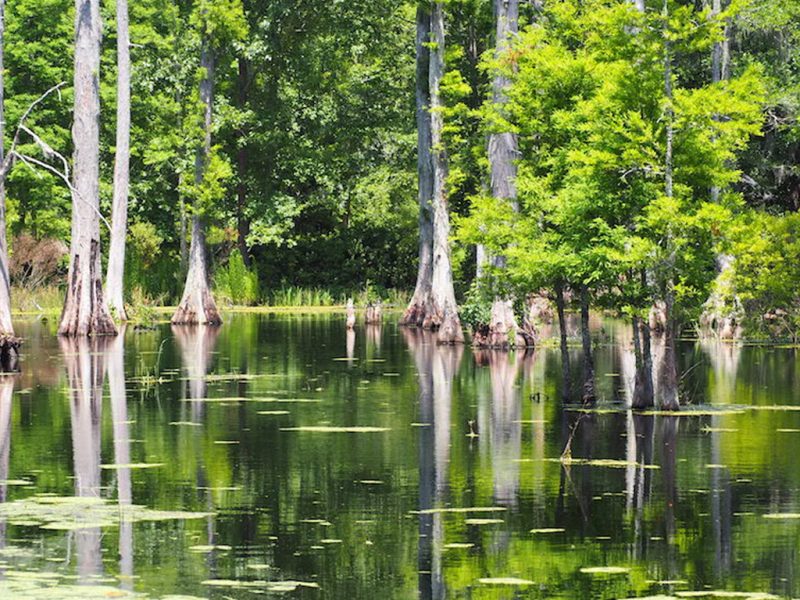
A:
(29, 161)
(8, 161)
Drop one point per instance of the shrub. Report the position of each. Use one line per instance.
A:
(235, 283)
(34, 263)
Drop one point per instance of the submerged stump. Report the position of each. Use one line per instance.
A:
(351, 314)
(9, 353)
(374, 314)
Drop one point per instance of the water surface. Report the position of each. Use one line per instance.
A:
(315, 462)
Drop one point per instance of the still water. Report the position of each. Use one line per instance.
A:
(281, 455)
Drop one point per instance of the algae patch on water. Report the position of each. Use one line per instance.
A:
(505, 581)
(330, 429)
(604, 570)
(74, 512)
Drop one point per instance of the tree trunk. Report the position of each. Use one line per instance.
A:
(668, 369)
(444, 313)
(643, 387)
(197, 305)
(588, 397)
(720, 53)
(119, 211)
(9, 345)
(85, 309)
(566, 375)
(242, 221)
(421, 300)
(503, 151)
(6, 326)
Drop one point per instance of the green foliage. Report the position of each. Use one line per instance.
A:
(235, 283)
(589, 104)
(297, 296)
(765, 277)
(476, 309)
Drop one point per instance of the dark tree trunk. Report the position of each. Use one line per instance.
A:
(85, 309)
(197, 305)
(566, 375)
(420, 303)
(588, 396)
(643, 397)
(668, 370)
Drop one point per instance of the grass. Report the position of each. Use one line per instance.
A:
(49, 300)
(37, 301)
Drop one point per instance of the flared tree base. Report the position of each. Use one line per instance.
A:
(202, 312)
(503, 333)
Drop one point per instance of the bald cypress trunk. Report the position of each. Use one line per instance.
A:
(589, 395)
(668, 369)
(6, 326)
(503, 331)
(85, 309)
(420, 301)
(197, 304)
(566, 374)
(444, 313)
(119, 213)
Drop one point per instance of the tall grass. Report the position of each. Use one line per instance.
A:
(50, 299)
(289, 296)
(300, 296)
(236, 284)
(47, 299)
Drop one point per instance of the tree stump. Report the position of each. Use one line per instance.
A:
(9, 353)
(351, 314)
(374, 314)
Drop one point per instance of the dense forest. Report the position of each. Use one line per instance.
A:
(638, 157)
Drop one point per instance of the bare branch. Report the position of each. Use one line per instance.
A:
(29, 161)
(8, 161)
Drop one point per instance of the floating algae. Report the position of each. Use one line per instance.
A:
(474, 509)
(331, 429)
(725, 594)
(205, 549)
(604, 570)
(132, 466)
(73, 512)
(483, 521)
(505, 581)
(600, 462)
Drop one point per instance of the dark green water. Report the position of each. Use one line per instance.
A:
(220, 420)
